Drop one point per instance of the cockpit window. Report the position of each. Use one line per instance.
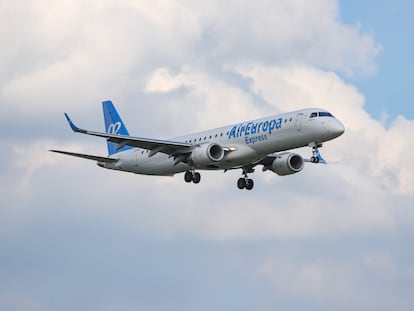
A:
(313, 115)
(325, 114)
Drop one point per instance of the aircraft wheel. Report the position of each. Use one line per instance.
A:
(241, 183)
(249, 184)
(196, 178)
(188, 176)
(314, 159)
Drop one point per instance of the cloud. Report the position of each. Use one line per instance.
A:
(75, 53)
(85, 49)
(204, 96)
(347, 282)
(281, 31)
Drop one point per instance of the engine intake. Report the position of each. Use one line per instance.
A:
(207, 154)
(287, 163)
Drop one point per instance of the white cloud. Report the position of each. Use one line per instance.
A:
(75, 54)
(162, 81)
(78, 53)
(209, 101)
(37, 157)
(280, 31)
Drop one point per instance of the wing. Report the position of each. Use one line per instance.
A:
(86, 156)
(155, 145)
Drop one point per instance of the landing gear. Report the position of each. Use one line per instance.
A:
(191, 176)
(241, 183)
(245, 182)
(314, 159)
(196, 178)
(316, 156)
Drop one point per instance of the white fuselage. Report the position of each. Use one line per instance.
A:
(247, 142)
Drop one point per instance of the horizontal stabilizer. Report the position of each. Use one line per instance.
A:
(86, 156)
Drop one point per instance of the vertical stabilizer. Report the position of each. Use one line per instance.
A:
(114, 125)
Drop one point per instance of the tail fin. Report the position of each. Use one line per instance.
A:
(114, 125)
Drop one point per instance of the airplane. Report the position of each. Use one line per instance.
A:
(242, 146)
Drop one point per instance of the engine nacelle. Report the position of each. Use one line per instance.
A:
(207, 154)
(287, 163)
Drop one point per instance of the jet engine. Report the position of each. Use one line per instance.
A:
(207, 154)
(287, 163)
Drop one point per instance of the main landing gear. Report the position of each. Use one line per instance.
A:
(191, 176)
(242, 183)
(245, 182)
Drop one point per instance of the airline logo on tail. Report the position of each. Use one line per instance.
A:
(114, 128)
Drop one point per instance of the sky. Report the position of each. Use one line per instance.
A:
(332, 237)
(387, 22)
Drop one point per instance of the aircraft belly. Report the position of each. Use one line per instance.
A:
(159, 164)
(243, 155)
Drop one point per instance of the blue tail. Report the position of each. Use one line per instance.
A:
(114, 125)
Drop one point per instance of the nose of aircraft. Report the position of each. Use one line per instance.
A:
(337, 128)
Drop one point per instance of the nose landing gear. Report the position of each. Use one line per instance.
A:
(316, 156)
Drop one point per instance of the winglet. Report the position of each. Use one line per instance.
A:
(73, 126)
